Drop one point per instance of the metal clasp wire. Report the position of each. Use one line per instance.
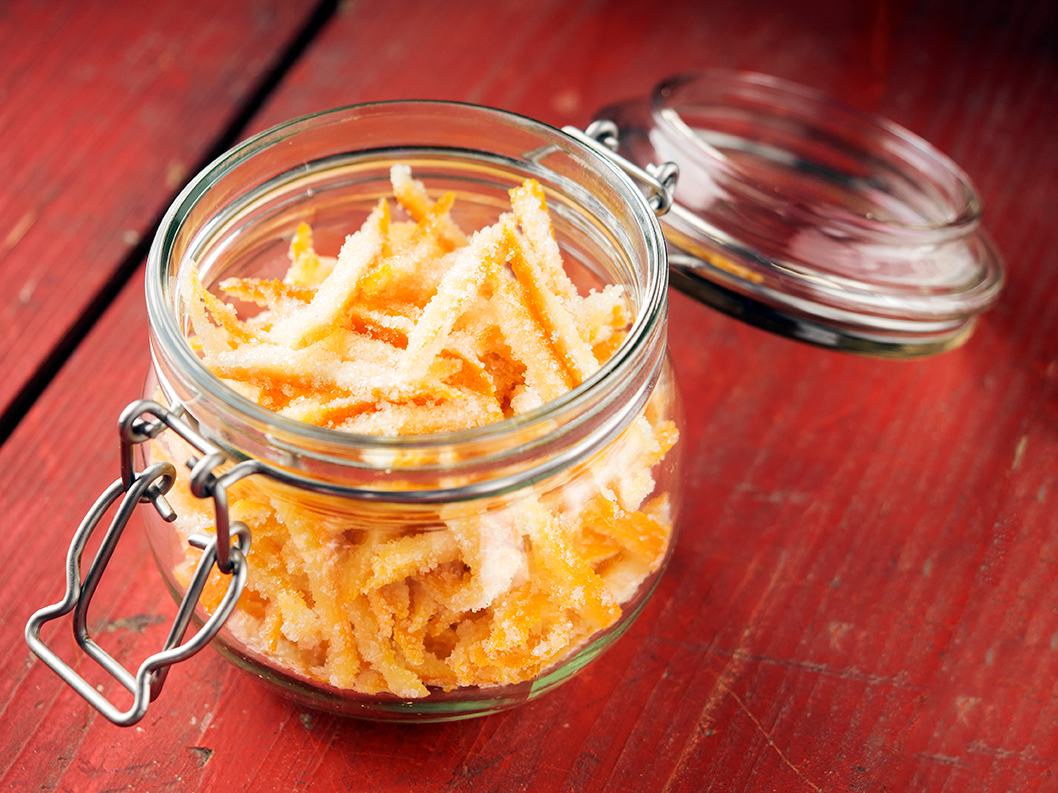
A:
(149, 486)
(659, 180)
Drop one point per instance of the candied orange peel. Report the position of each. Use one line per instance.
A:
(417, 327)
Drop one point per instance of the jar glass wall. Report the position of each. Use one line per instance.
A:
(432, 576)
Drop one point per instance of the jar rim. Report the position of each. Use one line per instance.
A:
(168, 338)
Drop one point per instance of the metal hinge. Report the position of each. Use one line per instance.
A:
(659, 180)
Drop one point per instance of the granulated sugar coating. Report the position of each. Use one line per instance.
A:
(417, 328)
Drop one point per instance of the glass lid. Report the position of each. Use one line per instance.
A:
(812, 219)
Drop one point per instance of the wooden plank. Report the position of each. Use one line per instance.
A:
(106, 107)
(863, 595)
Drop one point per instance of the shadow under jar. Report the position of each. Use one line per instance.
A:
(422, 577)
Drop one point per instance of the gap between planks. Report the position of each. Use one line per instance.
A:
(79, 329)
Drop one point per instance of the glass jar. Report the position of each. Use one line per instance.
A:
(426, 577)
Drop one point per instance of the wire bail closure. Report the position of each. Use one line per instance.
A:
(132, 488)
(601, 136)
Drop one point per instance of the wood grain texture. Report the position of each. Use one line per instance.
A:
(864, 595)
(106, 106)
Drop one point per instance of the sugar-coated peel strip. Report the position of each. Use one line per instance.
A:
(457, 291)
(558, 323)
(415, 328)
(413, 197)
(317, 555)
(272, 294)
(307, 268)
(600, 315)
(338, 289)
(217, 326)
(544, 373)
(530, 208)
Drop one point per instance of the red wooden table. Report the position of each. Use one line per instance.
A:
(864, 594)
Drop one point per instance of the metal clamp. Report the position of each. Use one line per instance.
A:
(659, 180)
(132, 488)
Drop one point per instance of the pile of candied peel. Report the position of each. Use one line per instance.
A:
(417, 328)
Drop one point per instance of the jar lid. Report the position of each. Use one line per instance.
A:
(812, 219)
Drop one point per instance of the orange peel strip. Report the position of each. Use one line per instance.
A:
(338, 290)
(530, 208)
(556, 320)
(411, 194)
